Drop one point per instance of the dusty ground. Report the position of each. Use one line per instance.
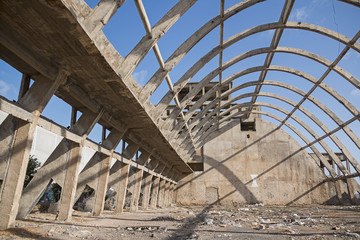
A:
(245, 222)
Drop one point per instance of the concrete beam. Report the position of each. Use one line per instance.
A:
(101, 14)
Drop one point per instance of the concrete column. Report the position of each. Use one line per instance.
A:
(155, 193)
(134, 202)
(58, 167)
(351, 191)
(166, 194)
(103, 175)
(338, 191)
(172, 193)
(121, 188)
(161, 193)
(146, 193)
(89, 175)
(69, 186)
(15, 173)
(142, 160)
(34, 101)
(101, 189)
(83, 127)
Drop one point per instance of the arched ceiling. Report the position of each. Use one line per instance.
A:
(190, 123)
(176, 73)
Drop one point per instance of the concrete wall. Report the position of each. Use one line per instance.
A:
(255, 167)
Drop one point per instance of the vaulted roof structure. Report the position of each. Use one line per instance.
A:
(208, 78)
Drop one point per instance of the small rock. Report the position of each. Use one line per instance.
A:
(208, 221)
(355, 235)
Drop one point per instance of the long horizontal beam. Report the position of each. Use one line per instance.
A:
(18, 112)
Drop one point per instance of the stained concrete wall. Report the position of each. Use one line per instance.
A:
(255, 167)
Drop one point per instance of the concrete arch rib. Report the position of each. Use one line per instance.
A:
(356, 3)
(332, 115)
(308, 77)
(298, 133)
(181, 51)
(166, 100)
(132, 60)
(157, 78)
(207, 122)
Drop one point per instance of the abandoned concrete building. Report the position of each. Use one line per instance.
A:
(225, 130)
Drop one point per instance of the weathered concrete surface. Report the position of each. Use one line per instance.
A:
(253, 167)
(93, 63)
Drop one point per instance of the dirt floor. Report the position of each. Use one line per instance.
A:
(245, 222)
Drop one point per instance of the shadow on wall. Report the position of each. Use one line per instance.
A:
(240, 186)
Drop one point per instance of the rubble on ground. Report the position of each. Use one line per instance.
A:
(246, 222)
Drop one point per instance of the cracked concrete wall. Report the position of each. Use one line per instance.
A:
(259, 166)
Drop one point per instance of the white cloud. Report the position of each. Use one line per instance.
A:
(355, 93)
(4, 87)
(140, 76)
(268, 34)
(299, 14)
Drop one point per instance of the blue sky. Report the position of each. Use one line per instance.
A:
(125, 29)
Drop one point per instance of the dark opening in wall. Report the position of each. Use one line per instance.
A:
(248, 126)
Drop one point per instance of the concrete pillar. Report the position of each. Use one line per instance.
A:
(69, 186)
(172, 193)
(34, 101)
(101, 189)
(351, 191)
(146, 192)
(338, 191)
(103, 175)
(89, 175)
(166, 194)
(169, 195)
(62, 163)
(121, 187)
(134, 202)
(161, 193)
(142, 160)
(83, 127)
(155, 193)
(15, 173)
